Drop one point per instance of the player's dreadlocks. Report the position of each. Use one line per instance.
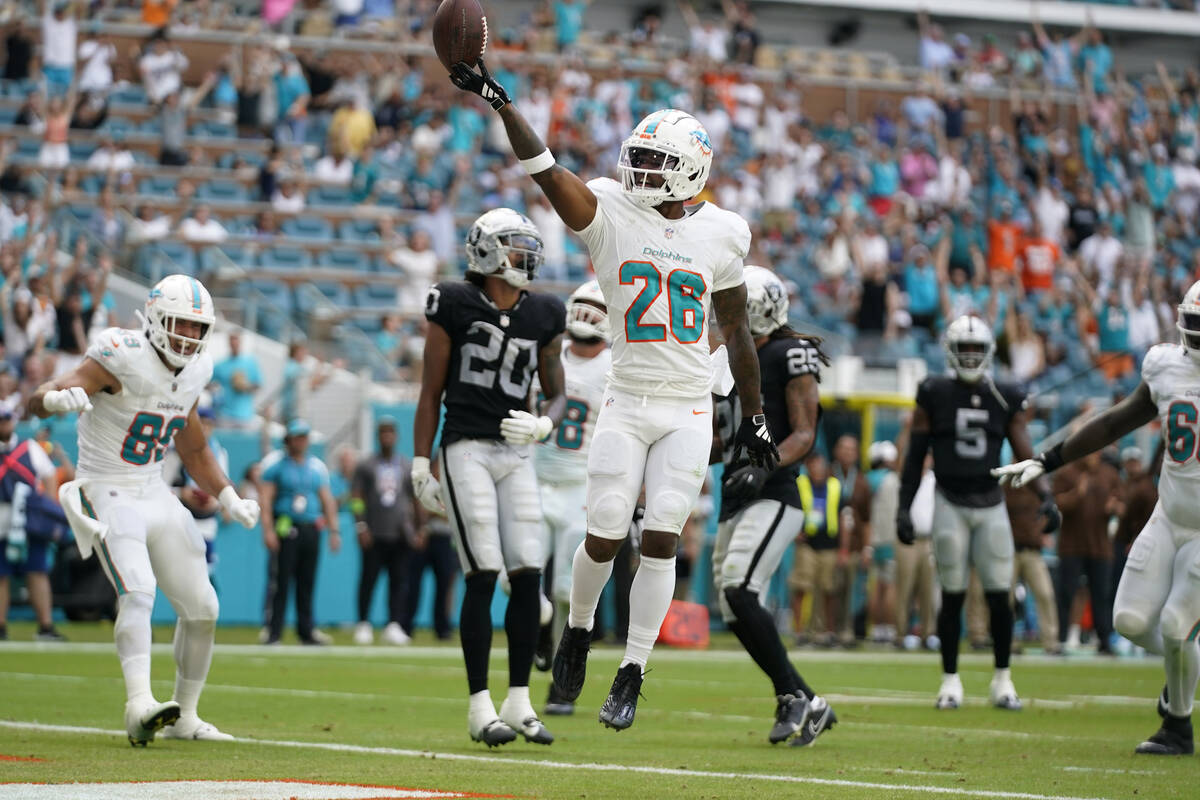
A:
(811, 339)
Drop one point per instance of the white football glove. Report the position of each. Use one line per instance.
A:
(1021, 473)
(522, 427)
(426, 487)
(66, 401)
(238, 509)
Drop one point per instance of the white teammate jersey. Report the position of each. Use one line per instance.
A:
(124, 436)
(658, 276)
(1174, 382)
(563, 457)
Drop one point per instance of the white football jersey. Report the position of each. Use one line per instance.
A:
(1174, 382)
(563, 457)
(125, 435)
(658, 276)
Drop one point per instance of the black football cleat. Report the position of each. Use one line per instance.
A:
(791, 712)
(820, 719)
(494, 733)
(570, 662)
(544, 655)
(621, 703)
(556, 706)
(1174, 738)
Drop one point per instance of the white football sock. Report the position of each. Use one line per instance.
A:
(649, 599)
(546, 611)
(518, 695)
(132, 636)
(193, 656)
(481, 705)
(1182, 662)
(587, 582)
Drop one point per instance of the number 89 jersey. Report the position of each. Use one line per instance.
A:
(124, 436)
(563, 457)
(658, 275)
(968, 423)
(493, 354)
(1174, 383)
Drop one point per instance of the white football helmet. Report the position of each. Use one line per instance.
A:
(766, 301)
(969, 347)
(175, 299)
(506, 244)
(1188, 322)
(587, 313)
(671, 144)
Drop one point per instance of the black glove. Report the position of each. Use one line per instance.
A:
(481, 83)
(904, 527)
(743, 484)
(753, 442)
(1049, 510)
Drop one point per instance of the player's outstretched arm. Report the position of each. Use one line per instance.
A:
(70, 392)
(200, 462)
(753, 437)
(570, 196)
(1018, 436)
(1125, 417)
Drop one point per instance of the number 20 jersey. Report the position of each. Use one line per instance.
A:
(658, 275)
(968, 423)
(125, 435)
(1174, 383)
(493, 354)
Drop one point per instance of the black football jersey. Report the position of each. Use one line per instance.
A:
(968, 423)
(493, 354)
(779, 361)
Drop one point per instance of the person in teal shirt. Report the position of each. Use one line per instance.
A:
(467, 129)
(238, 378)
(1096, 60)
(297, 505)
(568, 21)
(921, 285)
(366, 172)
(1113, 322)
(1160, 179)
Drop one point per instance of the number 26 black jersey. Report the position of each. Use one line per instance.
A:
(493, 354)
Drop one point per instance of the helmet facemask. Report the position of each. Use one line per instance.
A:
(969, 360)
(646, 173)
(521, 257)
(1189, 330)
(176, 347)
(587, 322)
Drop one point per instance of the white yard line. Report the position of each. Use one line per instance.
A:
(523, 763)
(1111, 771)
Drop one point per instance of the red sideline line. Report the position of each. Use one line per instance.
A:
(3, 757)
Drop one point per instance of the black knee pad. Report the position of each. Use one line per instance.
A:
(524, 583)
(743, 602)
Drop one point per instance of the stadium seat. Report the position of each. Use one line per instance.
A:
(153, 261)
(152, 126)
(158, 186)
(7, 115)
(82, 211)
(132, 94)
(289, 258)
(333, 291)
(376, 295)
(330, 196)
(222, 191)
(358, 230)
(216, 130)
(344, 258)
(307, 227)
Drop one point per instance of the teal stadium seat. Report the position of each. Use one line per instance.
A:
(285, 258)
(224, 191)
(344, 258)
(308, 228)
(376, 295)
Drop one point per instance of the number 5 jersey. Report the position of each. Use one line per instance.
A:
(125, 435)
(657, 275)
(493, 354)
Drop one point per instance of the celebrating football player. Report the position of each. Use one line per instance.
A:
(663, 266)
(1158, 599)
(135, 392)
(487, 335)
(761, 512)
(965, 417)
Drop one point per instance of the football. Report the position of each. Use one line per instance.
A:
(459, 32)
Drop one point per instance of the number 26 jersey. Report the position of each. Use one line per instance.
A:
(658, 275)
(125, 435)
(493, 354)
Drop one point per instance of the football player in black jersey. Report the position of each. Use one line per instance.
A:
(487, 335)
(760, 509)
(965, 417)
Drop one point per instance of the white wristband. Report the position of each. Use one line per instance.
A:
(227, 497)
(420, 466)
(539, 163)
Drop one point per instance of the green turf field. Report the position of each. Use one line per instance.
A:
(397, 717)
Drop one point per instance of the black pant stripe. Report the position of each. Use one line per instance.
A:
(762, 546)
(458, 519)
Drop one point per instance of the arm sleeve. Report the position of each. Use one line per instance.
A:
(730, 273)
(601, 231)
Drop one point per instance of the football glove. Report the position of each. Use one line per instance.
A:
(904, 527)
(743, 484)
(425, 486)
(66, 401)
(239, 509)
(521, 427)
(1049, 510)
(1021, 473)
(481, 83)
(753, 443)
